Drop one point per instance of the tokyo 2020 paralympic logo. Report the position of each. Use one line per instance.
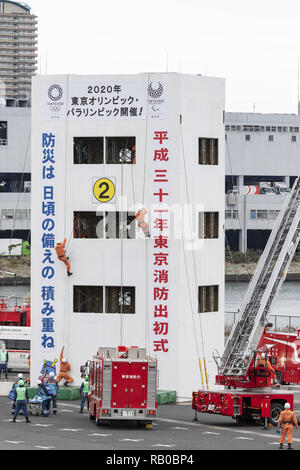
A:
(155, 92)
(55, 92)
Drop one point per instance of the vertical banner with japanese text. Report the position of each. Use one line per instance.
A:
(47, 243)
(160, 231)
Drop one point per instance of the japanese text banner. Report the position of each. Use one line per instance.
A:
(75, 99)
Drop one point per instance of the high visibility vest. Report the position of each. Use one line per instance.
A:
(21, 393)
(3, 355)
(85, 387)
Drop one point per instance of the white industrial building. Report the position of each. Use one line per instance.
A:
(259, 148)
(18, 63)
(102, 148)
(15, 172)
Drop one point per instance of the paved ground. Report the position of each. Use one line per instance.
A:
(173, 431)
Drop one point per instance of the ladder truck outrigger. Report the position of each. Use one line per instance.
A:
(249, 392)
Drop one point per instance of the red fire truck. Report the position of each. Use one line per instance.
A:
(283, 351)
(251, 396)
(15, 316)
(249, 384)
(123, 386)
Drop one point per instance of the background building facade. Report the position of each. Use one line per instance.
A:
(104, 147)
(259, 148)
(18, 64)
(15, 173)
(18, 52)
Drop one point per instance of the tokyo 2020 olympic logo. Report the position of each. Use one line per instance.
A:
(55, 92)
(155, 92)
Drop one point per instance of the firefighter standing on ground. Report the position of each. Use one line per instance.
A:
(21, 399)
(61, 254)
(54, 389)
(64, 369)
(3, 360)
(84, 392)
(15, 384)
(288, 420)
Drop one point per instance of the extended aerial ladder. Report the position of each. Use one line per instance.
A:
(264, 286)
(249, 391)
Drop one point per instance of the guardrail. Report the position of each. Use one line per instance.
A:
(281, 323)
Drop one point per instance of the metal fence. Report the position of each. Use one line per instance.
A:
(12, 301)
(281, 323)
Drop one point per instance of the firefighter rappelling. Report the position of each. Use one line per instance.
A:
(140, 218)
(61, 254)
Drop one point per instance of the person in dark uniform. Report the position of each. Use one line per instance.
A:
(21, 399)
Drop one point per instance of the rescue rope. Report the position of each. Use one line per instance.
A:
(147, 245)
(66, 153)
(192, 312)
(146, 142)
(65, 328)
(194, 264)
(73, 229)
(121, 226)
(147, 337)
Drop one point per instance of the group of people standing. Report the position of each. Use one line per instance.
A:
(46, 395)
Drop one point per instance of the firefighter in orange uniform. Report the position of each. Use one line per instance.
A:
(264, 363)
(64, 369)
(288, 420)
(134, 155)
(61, 254)
(27, 381)
(140, 218)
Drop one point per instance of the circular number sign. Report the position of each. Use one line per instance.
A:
(104, 190)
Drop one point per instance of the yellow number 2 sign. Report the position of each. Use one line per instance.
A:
(104, 189)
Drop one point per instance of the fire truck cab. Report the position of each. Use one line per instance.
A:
(283, 350)
(123, 385)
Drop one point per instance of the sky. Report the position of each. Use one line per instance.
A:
(254, 45)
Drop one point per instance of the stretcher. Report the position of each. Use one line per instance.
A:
(35, 406)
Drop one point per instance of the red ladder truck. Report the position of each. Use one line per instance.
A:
(283, 352)
(248, 392)
(123, 386)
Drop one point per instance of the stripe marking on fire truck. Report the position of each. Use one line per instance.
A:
(292, 345)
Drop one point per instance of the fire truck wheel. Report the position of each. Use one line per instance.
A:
(276, 409)
(101, 422)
